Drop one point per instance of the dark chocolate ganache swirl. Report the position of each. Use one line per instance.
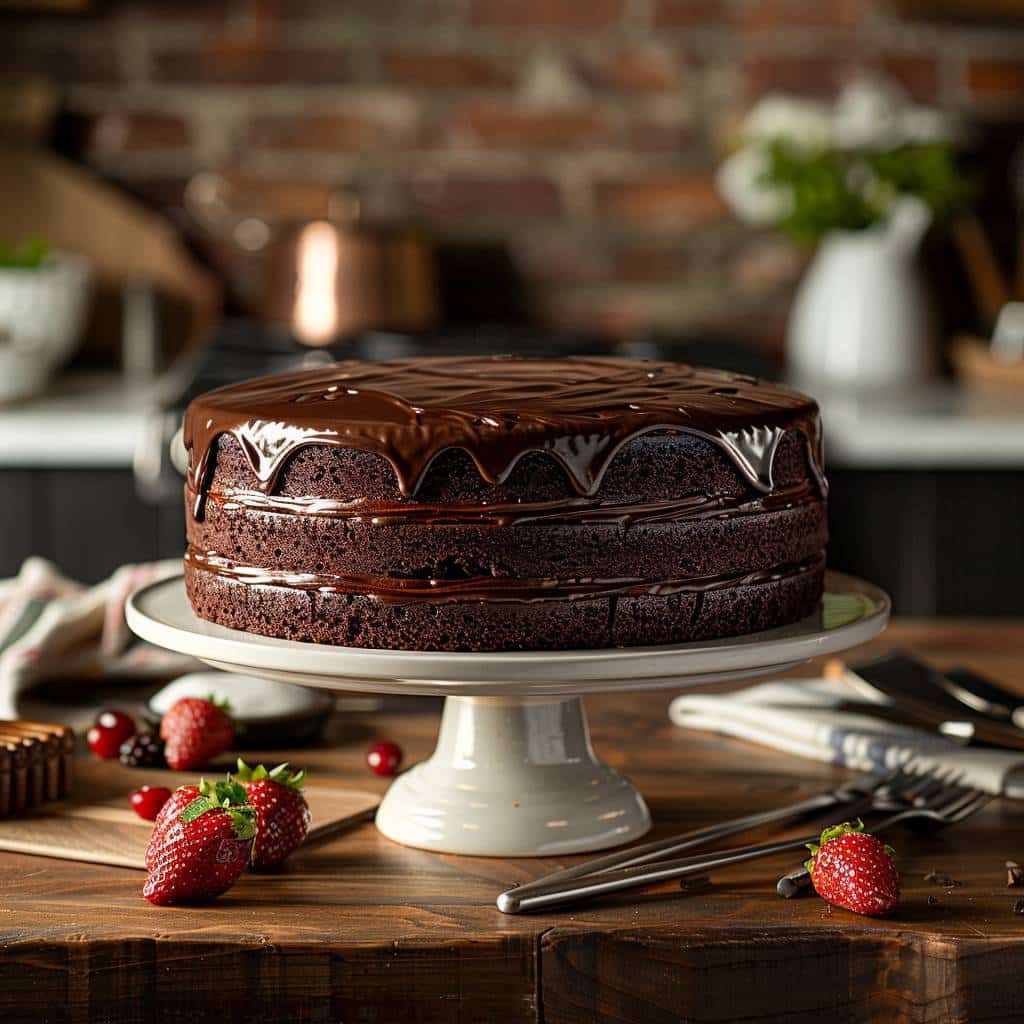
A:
(578, 411)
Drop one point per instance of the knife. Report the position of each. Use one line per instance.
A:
(984, 696)
(928, 697)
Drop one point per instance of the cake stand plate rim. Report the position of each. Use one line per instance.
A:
(160, 613)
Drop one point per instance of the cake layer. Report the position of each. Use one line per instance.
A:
(622, 620)
(743, 537)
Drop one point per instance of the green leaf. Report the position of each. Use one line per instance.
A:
(243, 820)
(220, 702)
(30, 255)
(282, 775)
(852, 189)
(197, 809)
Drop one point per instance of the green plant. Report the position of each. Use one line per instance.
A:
(28, 255)
(839, 189)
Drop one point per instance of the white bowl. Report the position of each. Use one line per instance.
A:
(42, 315)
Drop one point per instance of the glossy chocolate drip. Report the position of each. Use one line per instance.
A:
(578, 411)
(582, 511)
(398, 590)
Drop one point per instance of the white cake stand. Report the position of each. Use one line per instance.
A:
(513, 773)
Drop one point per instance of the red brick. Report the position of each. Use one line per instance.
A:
(666, 203)
(648, 262)
(818, 75)
(252, 63)
(497, 125)
(658, 136)
(562, 256)
(135, 131)
(919, 75)
(328, 133)
(449, 197)
(772, 15)
(691, 13)
(443, 69)
(997, 80)
(224, 12)
(646, 70)
(546, 14)
(59, 60)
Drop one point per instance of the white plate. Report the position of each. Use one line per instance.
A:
(852, 612)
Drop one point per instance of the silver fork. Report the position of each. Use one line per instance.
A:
(939, 800)
(854, 797)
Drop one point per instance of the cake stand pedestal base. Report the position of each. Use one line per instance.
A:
(513, 776)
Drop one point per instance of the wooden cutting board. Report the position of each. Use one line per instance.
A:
(98, 825)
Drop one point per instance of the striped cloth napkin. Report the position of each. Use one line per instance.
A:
(827, 720)
(54, 628)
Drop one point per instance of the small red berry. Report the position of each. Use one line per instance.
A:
(383, 758)
(148, 801)
(111, 729)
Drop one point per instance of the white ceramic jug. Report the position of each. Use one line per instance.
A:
(861, 316)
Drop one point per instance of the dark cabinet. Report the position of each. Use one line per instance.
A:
(88, 521)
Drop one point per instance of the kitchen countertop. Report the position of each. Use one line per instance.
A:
(357, 928)
(86, 420)
(939, 427)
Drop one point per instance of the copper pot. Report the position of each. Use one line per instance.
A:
(313, 263)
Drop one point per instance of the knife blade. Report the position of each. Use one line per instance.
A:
(924, 695)
(985, 696)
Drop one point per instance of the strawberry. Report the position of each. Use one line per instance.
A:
(195, 731)
(169, 814)
(203, 851)
(852, 869)
(282, 815)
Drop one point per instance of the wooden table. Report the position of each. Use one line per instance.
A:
(358, 929)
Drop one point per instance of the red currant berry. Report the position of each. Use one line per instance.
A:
(146, 802)
(383, 758)
(112, 728)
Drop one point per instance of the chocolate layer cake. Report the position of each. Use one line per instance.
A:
(504, 504)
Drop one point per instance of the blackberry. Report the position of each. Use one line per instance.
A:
(146, 750)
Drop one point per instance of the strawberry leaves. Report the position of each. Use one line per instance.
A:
(228, 795)
(282, 775)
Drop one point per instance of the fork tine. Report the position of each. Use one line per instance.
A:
(938, 785)
(962, 802)
(975, 805)
(923, 785)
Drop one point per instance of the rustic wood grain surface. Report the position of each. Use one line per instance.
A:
(358, 929)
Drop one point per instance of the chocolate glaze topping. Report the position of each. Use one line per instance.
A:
(578, 411)
(402, 590)
(559, 512)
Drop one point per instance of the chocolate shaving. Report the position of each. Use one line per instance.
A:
(933, 901)
(1018, 907)
(1014, 875)
(698, 884)
(946, 881)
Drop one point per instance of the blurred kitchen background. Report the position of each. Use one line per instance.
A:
(194, 191)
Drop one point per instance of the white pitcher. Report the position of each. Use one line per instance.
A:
(861, 316)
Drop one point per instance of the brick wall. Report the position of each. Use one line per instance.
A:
(582, 133)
